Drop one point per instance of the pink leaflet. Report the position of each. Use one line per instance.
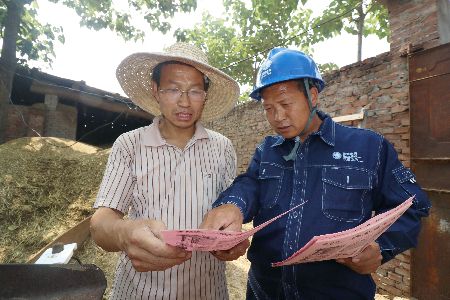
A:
(212, 240)
(346, 243)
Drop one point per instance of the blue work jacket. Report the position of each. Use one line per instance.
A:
(341, 175)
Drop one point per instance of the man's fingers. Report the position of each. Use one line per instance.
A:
(233, 253)
(159, 250)
(241, 248)
(156, 227)
(225, 217)
(156, 265)
(155, 245)
(226, 255)
(216, 223)
(356, 260)
(210, 223)
(145, 259)
(365, 262)
(344, 261)
(147, 251)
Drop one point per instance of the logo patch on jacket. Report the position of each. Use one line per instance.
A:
(347, 156)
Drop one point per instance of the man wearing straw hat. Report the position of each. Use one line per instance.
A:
(166, 176)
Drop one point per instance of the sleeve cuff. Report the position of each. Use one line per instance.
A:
(385, 253)
(237, 201)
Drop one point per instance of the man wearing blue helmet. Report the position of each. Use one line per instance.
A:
(339, 174)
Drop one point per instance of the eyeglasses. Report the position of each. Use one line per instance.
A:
(175, 94)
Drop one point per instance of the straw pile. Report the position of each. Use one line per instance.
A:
(47, 185)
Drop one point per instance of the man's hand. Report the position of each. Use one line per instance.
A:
(233, 253)
(142, 242)
(226, 217)
(139, 239)
(366, 262)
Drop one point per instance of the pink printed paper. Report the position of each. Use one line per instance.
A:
(346, 243)
(212, 240)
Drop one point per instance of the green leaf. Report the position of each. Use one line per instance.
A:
(36, 40)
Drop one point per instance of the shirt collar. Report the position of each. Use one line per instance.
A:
(326, 131)
(153, 138)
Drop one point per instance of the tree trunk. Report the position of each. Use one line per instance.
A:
(360, 26)
(8, 60)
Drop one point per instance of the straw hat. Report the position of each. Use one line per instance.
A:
(135, 72)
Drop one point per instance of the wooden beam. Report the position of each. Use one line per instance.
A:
(352, 117)
(77, 234)
(87, 99)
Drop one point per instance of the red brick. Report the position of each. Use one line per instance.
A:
(391, 290)
(406, 266)
(402, 272)
(404, 288)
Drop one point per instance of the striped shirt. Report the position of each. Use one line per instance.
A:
(147, 178)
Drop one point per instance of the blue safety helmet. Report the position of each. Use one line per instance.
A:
(284, 64)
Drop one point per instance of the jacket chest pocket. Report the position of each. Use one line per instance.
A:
(270, 183)
(344, 192)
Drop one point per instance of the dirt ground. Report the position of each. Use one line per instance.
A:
(47, 185)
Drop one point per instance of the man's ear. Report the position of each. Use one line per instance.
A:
(314, 96)
(155, 91)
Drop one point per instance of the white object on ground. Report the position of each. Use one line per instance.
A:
(62, 257)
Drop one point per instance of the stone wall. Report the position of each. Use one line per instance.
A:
(246, 126)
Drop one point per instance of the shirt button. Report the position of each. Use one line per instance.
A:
(294, 214)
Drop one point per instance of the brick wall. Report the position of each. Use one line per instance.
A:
(18, 115)
(60, 122)
(413, 23)
(246, 126)
(380, 86)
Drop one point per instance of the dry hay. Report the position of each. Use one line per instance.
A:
(46, 186)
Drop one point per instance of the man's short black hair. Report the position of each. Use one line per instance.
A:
(156, 74)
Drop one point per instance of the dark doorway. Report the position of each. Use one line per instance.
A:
(101, 128)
